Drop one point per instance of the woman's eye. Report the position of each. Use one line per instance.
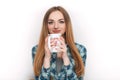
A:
(50, 22)
(62, 22)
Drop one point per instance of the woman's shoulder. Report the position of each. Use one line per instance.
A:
(83, 51)
(34, 49)
(81, 48)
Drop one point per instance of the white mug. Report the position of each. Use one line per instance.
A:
(52, 36)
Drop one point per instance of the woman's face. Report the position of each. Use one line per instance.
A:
(56, 23)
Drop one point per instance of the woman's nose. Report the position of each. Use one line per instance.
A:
(56, 25)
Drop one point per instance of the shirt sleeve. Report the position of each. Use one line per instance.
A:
(83, 52)
(70, 74)
(34, 49)
(69, 71)
(45, 72)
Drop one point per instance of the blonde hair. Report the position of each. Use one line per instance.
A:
(38, 60)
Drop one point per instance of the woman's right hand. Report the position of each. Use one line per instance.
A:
(47, 51)
(47, 57)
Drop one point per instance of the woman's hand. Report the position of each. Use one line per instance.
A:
(62, 47)
(63, 51)
(47, 57)
(47, 51)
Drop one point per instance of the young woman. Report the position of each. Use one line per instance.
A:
(69, 62)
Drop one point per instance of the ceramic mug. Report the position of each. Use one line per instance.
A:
(53, 36)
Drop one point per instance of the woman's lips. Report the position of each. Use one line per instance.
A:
(56, 31)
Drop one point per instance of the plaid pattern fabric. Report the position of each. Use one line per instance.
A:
(67, 72)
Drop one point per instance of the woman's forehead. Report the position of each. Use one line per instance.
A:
(56, 15)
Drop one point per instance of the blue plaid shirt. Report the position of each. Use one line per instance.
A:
(67, 72)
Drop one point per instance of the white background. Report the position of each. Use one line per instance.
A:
(95, 23)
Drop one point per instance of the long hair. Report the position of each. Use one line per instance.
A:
(39, 57)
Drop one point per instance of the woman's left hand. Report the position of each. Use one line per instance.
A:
(62, 47)
(63, 51)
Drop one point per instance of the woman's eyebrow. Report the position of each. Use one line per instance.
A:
(61, 19)
(58, 19)
(50, 20)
